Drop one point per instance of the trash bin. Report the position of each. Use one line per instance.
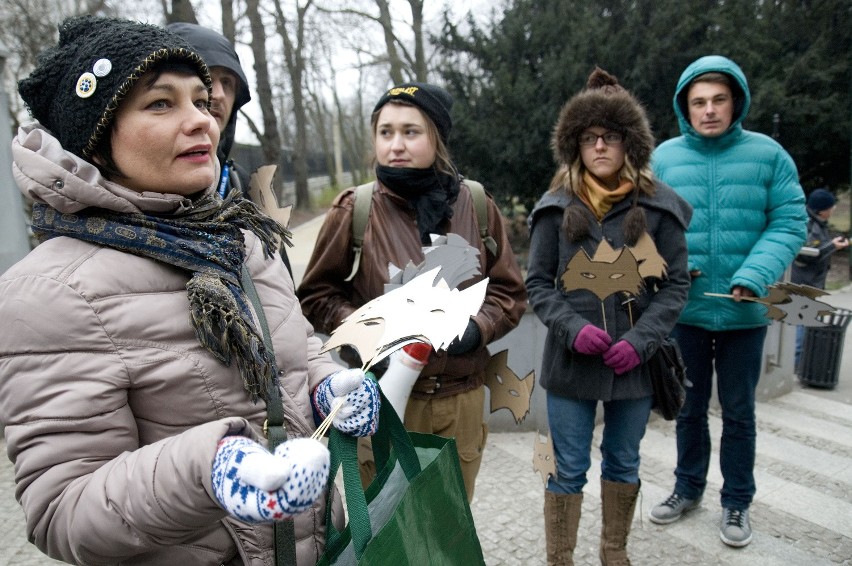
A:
(822, 349)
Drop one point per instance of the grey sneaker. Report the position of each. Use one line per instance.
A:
(735, 529)
(672, 509)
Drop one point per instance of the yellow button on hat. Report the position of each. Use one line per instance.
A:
(86, 85)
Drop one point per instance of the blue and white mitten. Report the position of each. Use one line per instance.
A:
(256, 486)
(359, 415)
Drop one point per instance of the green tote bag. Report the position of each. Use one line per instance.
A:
(416, 509)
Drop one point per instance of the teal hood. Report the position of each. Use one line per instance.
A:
(712, 64)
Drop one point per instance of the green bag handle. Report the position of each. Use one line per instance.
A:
(344, 452)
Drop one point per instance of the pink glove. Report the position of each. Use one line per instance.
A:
(622, 357)
(591, 340)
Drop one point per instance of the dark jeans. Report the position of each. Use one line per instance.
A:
(572, 425)
(736, 356)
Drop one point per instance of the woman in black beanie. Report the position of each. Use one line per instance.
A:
(152, 332)
(608, 278)
(419, 193)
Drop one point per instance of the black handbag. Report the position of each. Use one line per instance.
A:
(668, 379)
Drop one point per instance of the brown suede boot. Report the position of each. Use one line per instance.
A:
(618, 501)
(561, 519)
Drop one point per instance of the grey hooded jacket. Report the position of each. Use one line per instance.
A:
(643, 322)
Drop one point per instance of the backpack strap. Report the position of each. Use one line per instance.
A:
(360, 217)
(477, 192)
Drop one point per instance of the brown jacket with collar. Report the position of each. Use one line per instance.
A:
(392, 236)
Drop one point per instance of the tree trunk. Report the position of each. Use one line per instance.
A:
(229, 26)
(270, 141)
(394, 60)
(320, 118)
(421, 71)
(182, 11)
(295, 59)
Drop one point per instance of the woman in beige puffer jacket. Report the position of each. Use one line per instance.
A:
(113, 408)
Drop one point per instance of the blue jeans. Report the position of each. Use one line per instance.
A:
(736, 356)
(800, 339)
(572, 423)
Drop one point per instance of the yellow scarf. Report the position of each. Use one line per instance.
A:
(600, 199)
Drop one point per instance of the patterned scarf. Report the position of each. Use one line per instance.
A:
(205, 241)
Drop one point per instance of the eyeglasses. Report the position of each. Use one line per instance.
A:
(609, 138)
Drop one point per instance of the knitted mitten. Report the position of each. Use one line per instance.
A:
(258, 487)
(622, 357)
(359, 415)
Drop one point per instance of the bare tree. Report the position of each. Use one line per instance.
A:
(401, 61)
(416, 64)
(269, 138)
(323, 124)
(294, 58)
(354, 130)
(229, 25)
(181, 11)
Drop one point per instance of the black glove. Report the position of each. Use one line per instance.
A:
(469, 341)
(349, 356)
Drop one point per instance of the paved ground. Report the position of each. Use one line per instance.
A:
(802, 514)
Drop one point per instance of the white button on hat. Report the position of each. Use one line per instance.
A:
(102, 67)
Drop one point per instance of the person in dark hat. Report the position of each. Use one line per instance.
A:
(593, 237)
(419, 193)
(154, 329)
(812, 264)
(812, 268)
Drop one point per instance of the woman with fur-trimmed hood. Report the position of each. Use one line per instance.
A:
(608, 277)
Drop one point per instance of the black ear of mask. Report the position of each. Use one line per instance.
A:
(576, 222)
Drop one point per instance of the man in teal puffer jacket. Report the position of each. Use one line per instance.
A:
(748, 224)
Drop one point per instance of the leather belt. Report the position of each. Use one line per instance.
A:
(435, 384)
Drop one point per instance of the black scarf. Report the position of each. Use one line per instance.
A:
(205, 241)
(430, 192)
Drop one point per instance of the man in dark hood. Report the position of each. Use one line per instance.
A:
(230, 93)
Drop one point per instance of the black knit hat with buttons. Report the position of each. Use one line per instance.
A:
(78, 84)
(434, 101)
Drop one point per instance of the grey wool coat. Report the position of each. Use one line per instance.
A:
(643, 322)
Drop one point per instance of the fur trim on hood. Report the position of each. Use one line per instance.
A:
(606, 104)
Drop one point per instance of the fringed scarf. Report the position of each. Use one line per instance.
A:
(430, 192)
(205, 241)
